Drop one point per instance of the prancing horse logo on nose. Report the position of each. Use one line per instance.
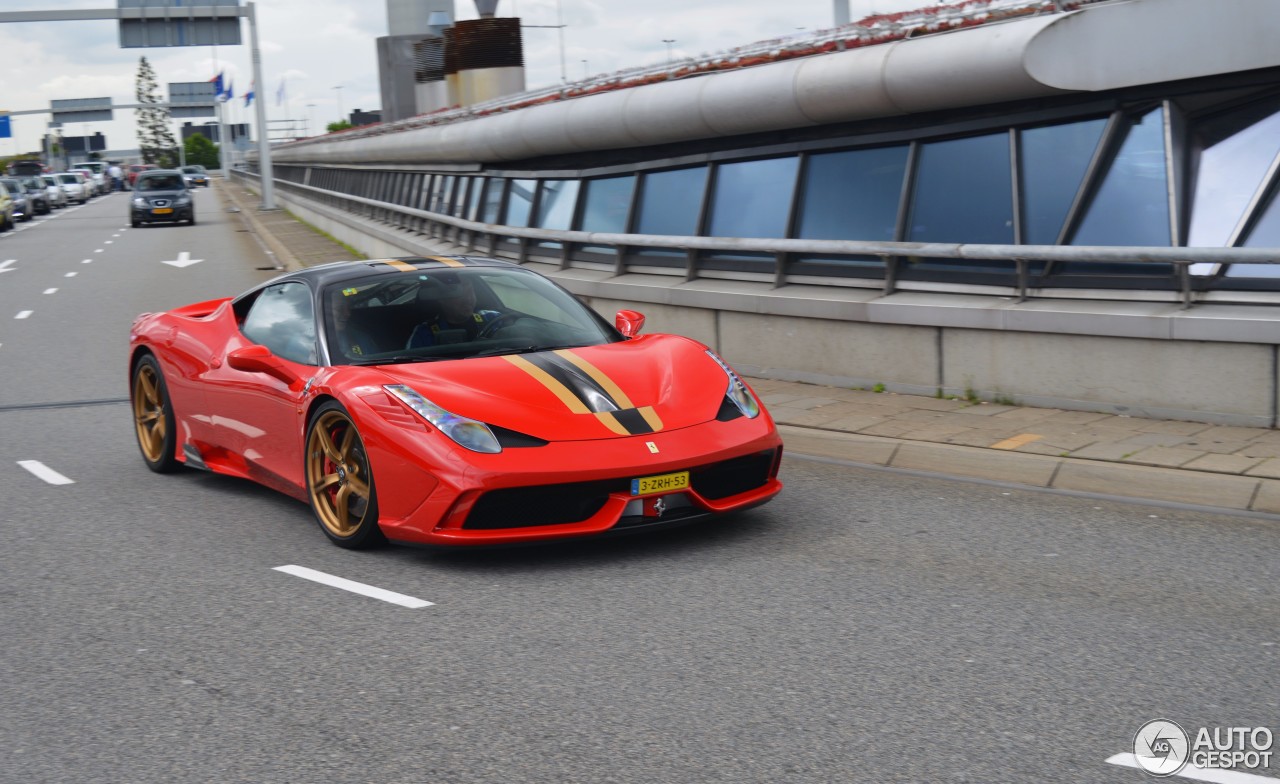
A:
(653, 448)
(659, 507)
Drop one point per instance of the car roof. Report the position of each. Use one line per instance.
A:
(341, 271)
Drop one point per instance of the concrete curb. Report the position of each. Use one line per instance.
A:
(281, 254)
(1197, 488)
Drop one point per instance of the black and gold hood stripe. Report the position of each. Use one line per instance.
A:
(585, 389)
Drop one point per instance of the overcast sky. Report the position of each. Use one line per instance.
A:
(319, 45)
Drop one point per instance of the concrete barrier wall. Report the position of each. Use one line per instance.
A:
(1021, 357)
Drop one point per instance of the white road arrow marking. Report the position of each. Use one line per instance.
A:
(184, 260)
(4, 266)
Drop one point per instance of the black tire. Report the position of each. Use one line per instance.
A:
(192, 220)
(136, 223)
(153, 416)
(340, 484)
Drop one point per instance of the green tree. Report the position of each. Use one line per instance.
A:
(155, 139)
(340, 125)
(201, 151)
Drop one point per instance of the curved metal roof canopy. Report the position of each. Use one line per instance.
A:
(1098, 47)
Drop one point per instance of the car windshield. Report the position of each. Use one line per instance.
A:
(436, 314)
(160, 183)
(69, 179)
(191, 170)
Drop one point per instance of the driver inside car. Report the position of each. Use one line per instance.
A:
(456, 319)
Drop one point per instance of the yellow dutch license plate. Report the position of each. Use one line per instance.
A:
(162, 211)
(663, 483)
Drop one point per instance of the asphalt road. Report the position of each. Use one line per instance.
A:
(866, 626)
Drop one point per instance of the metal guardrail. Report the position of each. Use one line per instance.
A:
(1021, 256)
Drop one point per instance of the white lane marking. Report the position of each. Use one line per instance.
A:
(23, 314)
(70, 274)
(99, 250)
(50, 291)
(108, 242)
(87, 261)
(4, 266)
(1200, 774)
(45, 472)
(184, 260)
(354, 587)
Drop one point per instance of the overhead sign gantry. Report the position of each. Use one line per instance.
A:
(153, 23)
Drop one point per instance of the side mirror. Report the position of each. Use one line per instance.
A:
(259, 359)
(629, 322)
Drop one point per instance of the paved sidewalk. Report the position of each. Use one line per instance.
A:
(1234, 468)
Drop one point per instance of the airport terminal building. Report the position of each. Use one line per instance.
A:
(1071, 204)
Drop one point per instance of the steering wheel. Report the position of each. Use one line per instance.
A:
(506, 319)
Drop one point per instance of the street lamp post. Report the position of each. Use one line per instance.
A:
(668, 42)
(338, 90)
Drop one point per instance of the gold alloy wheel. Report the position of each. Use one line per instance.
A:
(338, 474)
(148, 412)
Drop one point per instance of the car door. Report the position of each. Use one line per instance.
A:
(258, 413)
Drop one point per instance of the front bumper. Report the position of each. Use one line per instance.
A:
(570, 489)
(149, 215)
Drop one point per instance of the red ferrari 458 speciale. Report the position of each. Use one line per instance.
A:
(449, 400)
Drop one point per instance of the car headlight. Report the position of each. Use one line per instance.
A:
(139, 202)
(737, 393)
(468, 433)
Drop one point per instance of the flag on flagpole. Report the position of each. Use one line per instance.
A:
(280, 94)
(217, 85)
(248, 97)
(229, 93)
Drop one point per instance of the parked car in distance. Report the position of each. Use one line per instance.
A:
(161, 195)
(22, 209)
(6, 208)
(97, 171)
(74, 186)
(57, 196)
(38, 195)
(131, 174)
(95, 188)
(195, 175)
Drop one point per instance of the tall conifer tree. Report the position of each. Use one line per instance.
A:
(155, 139)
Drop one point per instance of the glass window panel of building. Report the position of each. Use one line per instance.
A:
(852, 195)
(556, 204)
(606, 203)
(519, 202)
(1132, 205)
(1265, 234)
(1053, 161)
(492, 200)
(753, 198)
(1235, 154)
(671, 202)
(477, 192)
(964, 192)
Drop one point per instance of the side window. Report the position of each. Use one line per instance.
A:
(282, 318)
